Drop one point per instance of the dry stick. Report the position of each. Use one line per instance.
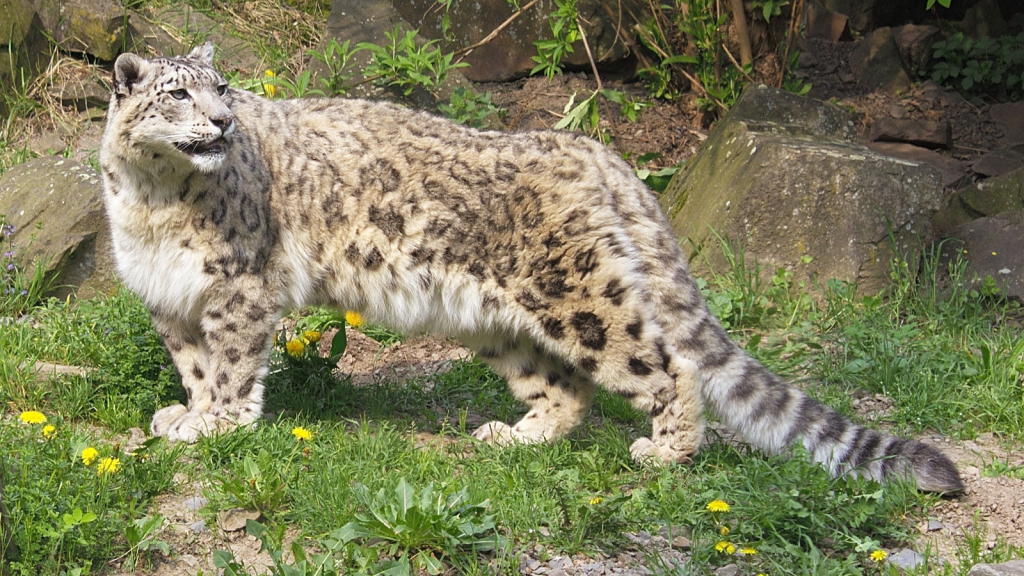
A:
(462, 53)
(737, 64)
(590, 55)
(794, 28)
(740, 18)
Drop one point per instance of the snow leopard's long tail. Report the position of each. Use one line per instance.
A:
(772, 414)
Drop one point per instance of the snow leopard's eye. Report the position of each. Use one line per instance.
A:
(222, 89)
(179, 94)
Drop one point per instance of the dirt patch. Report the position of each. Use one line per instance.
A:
(368, 362)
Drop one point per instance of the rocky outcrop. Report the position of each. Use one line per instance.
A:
(783, 176)
(56, 207)
(989, 197)
(1011, 568)
(94, 27)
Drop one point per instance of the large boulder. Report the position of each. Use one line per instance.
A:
(56, 207)
(783, 176)
(94, 27)
(876, 62)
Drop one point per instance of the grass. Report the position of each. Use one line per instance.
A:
(948, 357)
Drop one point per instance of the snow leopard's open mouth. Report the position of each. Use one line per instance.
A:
(215, 146)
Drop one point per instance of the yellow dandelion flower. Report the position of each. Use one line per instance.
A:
(354, 319)
(879, 555)
(311, 336)
(596, 500)
(723, 530)
(32, 417)
(49, 430)
(269, 89)
(108, 466)
(89, 455)
(301, 433)
(725, 547)
(718, 506)
(295, 348)
(748, 551)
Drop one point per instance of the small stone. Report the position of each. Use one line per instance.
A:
(234, 519)
(934, 525)
(189, 559)
(728, 570)
(195, 503)
(544, 531)
(1011, 568)
(681, 543)
(906, 559)
(896, 111)
(198, 527)
(556, 572)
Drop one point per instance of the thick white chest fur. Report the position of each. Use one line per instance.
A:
(153, 264)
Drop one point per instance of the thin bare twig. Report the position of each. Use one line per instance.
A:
(590, 55)
(463, 52)
(737, 64)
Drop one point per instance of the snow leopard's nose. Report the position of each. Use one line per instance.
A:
(226, 122)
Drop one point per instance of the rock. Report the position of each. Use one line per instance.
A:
(984, 19)
(933, 526)
(47, 143)
(233, 520)
(896, 110)
(24, 49)
(915, 45)
(1010, 116)
(195, 503)
(727, 570)
(859, 12)
(998, 162)
(681, 543)
(951, 170)
(95, 27)
(928, 133)
(994, 247)
(782, 176)
(198, 526)
(906, 559)
(876, 63)
(820, 22)
(64, 197)
(147, 34)
(999, 194)
(1011, 568)
(81, 93)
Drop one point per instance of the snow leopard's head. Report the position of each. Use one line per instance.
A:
(171, 109)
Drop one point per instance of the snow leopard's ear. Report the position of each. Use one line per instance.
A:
(129, 70)
(203, 53)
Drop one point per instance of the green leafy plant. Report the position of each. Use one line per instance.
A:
(769, 9)
(420, 529)
(986, 67)
(564, 32)
(141, 536)
(271, 542)
(470, 108)
(253, 483)
(584, 117)
(336, 58)
(403, 64)
(629, 107)
(656, 180)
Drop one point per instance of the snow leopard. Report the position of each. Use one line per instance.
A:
(541, 251)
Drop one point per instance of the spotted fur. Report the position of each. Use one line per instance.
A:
(541, 251)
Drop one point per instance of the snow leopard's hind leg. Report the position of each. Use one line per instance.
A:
(558, 395)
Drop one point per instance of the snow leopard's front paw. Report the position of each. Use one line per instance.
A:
(179, 425)
(495, 432)
(645, 451)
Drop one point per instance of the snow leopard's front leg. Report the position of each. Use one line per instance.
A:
(222, 362)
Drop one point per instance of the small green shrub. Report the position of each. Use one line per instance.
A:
(982, 68)
(470, 108)
(403, 64)
(22, 284)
